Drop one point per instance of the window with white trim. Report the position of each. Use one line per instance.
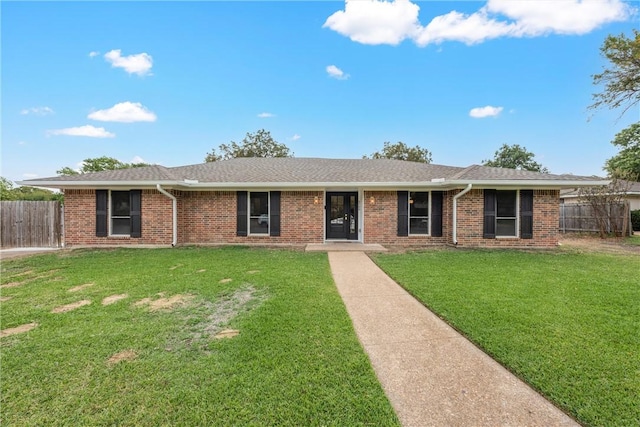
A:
(506, 213)
(120, 213)
(419, 213)
(259, 213)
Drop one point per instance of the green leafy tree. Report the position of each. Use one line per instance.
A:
(621, 78)
(515, 157)
(98, 164)
(626, 164)
(259, 144)
(9, 192)
(400, 151)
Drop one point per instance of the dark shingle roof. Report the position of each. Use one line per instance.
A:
(296, 170)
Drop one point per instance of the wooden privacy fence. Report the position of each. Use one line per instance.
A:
(581, 217)
(27, 224)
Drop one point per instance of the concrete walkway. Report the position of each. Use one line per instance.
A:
(432, 375)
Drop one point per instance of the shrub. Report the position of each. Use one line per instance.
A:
(635, 220)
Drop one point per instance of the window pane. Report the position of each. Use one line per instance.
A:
(419, 204)
(505, 227)
(506, 201)
(259, 225)
(259, 204)
(419, 226)
(121, 226)
(120, 203)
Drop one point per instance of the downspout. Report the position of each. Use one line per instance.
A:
(455, 212)
(174, 203)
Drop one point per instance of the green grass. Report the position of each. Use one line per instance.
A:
(567, 323)
(296, 361)
(633, 240)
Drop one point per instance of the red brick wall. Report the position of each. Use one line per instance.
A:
(545, 221)
(80, 220)
(381, 222)
(210, 217)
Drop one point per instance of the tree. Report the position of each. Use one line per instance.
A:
(515, 157)
(626, 164)
(400, 151)
(9, 192)
(99, 164)
(259, 144)
(622, 79)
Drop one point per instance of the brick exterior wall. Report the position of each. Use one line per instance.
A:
(209, 217)
(545, 221)
(381, 222)
(80, 220)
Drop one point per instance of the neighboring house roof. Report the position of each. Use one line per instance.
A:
(628, 187)
(296, 172)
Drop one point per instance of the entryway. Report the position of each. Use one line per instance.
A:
(342, 216)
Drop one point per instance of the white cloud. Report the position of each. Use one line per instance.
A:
(336, 73)
(295, 137)
(266, 115)
(139, 64)
(376, 22)
(39, 111)
(488, 111)
(124, 112)
(391, 22)
(86, 130)
(138, 159)
(93, 54)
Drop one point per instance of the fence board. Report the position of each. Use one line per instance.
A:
(30, 224)
(580, 217)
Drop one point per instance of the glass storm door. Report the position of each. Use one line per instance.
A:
(342, 216)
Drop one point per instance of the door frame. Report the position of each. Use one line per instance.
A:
(355, 237)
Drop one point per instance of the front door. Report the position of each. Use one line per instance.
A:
(342, 216)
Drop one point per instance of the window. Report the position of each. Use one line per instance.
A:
(259, 213)
(120, 213)
(506, 213)
(418, 213)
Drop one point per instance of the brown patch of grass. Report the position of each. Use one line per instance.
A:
(175, 266)
(80, 287)
(113, 298)
(253, 271)
(163, 303)
(13, 284)
(227, 333)
(225, 281)
(70, 307)
(122, 356)
(3, 299)
(17, 330)
(201, 271)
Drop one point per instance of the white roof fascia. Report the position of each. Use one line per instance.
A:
(530, 183)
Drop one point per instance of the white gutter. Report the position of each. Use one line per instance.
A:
(174, 203)
(455, 212)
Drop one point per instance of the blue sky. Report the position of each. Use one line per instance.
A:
(166, 82)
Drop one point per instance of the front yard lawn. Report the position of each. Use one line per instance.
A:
(567, 323)
(142, 349)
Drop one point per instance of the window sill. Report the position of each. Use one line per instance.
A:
(119, 237)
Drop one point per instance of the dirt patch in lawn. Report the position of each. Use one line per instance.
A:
(113, 299)
(163, 303)
(226, 281)
(12, 284)
(253, 271)
(17, 330)
(3, 299)
(80, 287)
(70, 307)
(227, 333)
(596, 244)
(122, 356)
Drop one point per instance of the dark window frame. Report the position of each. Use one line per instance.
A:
(261, 216)
(410, 203)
